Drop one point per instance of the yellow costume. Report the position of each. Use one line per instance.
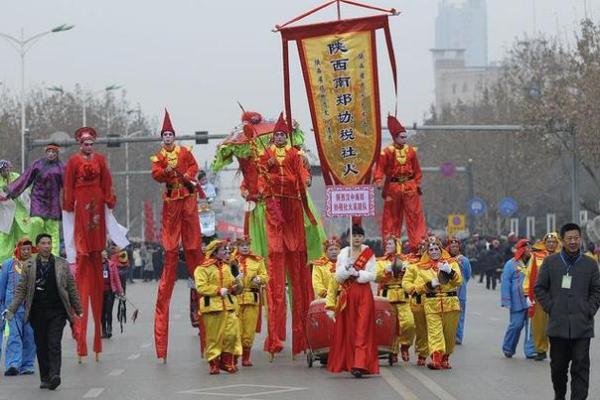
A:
(250, 302)
(539, 318)
(441, 305)
(218, 312)
(390, 287)
(409, 282)
(323, 271)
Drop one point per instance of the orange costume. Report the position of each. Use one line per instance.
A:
(283, 187)
(87, 190)
(399, 165)
(180, 223)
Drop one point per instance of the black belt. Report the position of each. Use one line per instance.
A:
(401, 179)
(417, 298)
(442, 294)
(384, 292)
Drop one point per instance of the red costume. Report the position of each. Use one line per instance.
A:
(283, 187)
(353, 348)
(401, 191)
(87, 190)
(180, 223)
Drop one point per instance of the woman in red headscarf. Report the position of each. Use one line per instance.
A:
(87, 191)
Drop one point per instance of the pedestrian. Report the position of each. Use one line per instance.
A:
(513, 297)
(112, 287)
(48, 291)
(494, 260)
(465, 270)
(137, 261)
(353, 347)
(20, 346)
(568, 288)
(149, 264)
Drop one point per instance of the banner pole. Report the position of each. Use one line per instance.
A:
(339, 10)
(350, 238)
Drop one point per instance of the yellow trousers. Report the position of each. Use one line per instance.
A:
(441, 331)
(421, 342)
(539, 321)
(222, 334)
(406, 324)
(248, 320)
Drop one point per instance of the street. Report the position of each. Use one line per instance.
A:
(129, 369)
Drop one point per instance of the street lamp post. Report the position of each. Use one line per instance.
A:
(127, 194)
(22, 46)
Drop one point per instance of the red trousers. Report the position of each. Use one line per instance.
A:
(180, 223)
(90, 286)
(287, 253)
(399, 205)
(353, 343)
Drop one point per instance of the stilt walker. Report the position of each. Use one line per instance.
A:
(88, 192)
(176, 167)
(284, 188)
(399, 166)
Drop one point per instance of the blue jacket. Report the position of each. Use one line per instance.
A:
(512, 286)
(465, 270)
(9, 279)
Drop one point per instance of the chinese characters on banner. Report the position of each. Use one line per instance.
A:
(348, 201)
(339, 65)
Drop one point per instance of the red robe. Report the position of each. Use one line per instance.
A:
(180, 224)
(87, 189)
(400, 168)
(281, 186)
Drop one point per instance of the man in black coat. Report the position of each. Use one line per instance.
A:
(568, 288)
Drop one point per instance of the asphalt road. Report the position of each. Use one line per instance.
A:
(129, 370)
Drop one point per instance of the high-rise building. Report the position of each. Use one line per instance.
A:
(463, 25)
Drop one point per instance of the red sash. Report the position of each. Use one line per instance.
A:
(359, 265)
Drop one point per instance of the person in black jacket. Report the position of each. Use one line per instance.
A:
(568, 288)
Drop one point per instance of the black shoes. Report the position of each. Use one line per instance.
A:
(12, 371)
(357, 373)
(44, 385)
(540, 356)
(54, 382)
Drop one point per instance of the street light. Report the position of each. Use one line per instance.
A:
(107, 89)
(22, 46)
(127, 194)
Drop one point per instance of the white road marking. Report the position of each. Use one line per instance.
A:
(116, 372)
(145, 345)
(134, 356)
(430, 384)
(475, 313)
(177, 316)
(494, 319)
(404, 392)
(222, 390)
(93, 393)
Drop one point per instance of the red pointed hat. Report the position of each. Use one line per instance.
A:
(167, 126)
(282, 126)
(394, 126)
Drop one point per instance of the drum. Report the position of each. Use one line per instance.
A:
(319, 328)
(386, 325)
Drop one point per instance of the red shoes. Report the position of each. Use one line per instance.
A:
(436, 360)
(246, 357)
(446, 362)
(226, 363)
(421, 361)
(213, 366)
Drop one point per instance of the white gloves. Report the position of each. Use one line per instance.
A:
(240, 275)
(445, 267)
(364, 277)
(256, 280)
(529, 302)
(224, 292)
(330, 314)
(435, 283)
(388, 268)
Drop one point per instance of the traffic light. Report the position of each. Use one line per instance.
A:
(201, 137)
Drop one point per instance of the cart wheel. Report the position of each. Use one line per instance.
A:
(309, 359)
(391, 359)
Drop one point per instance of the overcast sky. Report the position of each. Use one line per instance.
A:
(198, 57)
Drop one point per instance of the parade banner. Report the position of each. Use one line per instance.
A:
(339, 66)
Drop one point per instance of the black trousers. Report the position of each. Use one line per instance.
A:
(107, 311)
(490, 279)
(576, 352)
(48, 326)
